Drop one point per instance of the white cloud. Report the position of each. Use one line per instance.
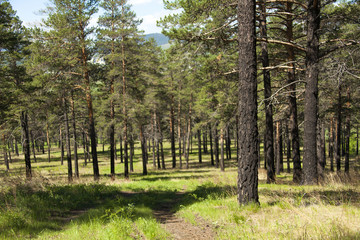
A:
(149, 24)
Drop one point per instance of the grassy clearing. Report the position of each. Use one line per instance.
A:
(50, 208)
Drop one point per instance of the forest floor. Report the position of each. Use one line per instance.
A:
(195, 203)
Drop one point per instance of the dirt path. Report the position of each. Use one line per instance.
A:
(178, 227)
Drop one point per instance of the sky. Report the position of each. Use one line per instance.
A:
(148, 10)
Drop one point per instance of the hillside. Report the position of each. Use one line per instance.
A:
(159, 38)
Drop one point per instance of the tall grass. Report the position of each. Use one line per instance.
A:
(50, 208)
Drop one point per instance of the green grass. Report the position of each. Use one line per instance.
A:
(50, 208)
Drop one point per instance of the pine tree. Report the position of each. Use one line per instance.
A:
(248, 132)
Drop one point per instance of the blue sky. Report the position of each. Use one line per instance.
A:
(148, 10)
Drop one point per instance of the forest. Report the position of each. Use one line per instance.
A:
(245, 126)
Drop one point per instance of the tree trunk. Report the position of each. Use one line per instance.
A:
(76, 158)
(338, 131)
(157, 142)
(67, 139)
(269, 137)
(26, 147)
(61, 145)
(288, 147)
(211, 145)
(48, 141)
(131, 153)
(103, 144)
(33, 145)
(188, 135)
(343, 140)
(228, 141)
(222, 162)
(143, 150)
(115, 151)
(6, 160)
(199, 145)
(191, 143)
(161, 145)
(9, 154)
(205, 149)
(172, 134)
(216, 147)
(248, 131)
(126, 157)
(179, 133)
(348, 132)
(320, 148)
(279, 153)
(357, 140)
(293, 121)
(237, 140)
(84, 147)
(16, 147)
(311, 93)
(121, 150)
(153, 129)
(146, 150)
(331, 144)
(89, 102)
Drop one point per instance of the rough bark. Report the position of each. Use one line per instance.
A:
(67, 141)
(331, 144)
(279, 152)
(61, 145)
(143, 150)
(222, 162)
(320, 148)
(76, 158)
(347, 132)
(205, 149)
(311, 93)
(161, 138)
(357, 140)
(172, 134)
(91, 121)
(216, 146)
(179, 133)
(84, 148)
(247, 109)
(153, 127)
(269, 137)
(211, 146)
(338, 131)
(26, 146)
(132, 150)
(121, 150)
(188, 137)
(293, 121)
(228, 141)
(288, 148)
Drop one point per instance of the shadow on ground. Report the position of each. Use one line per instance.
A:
(55, 206)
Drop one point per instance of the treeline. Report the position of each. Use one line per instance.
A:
(279, 77)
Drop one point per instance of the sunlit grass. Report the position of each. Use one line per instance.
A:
(48, 207)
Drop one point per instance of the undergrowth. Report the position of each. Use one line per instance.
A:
(50, 208)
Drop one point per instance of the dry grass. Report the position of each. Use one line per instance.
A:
(330, 210)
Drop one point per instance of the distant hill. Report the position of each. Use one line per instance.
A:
(159, 38)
